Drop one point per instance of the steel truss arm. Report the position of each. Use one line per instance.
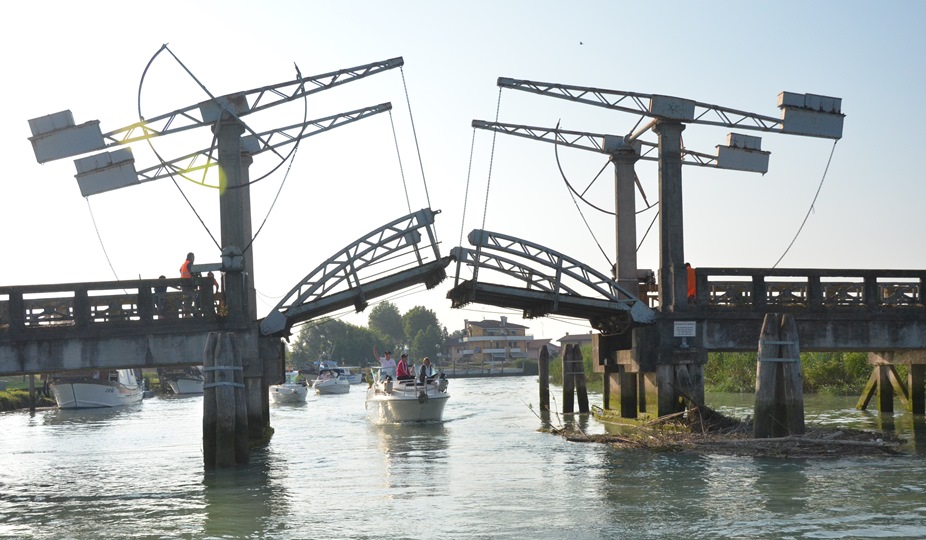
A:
(206, 158)
(350, 276)
(639, 103)
(592, 142)
(608, 306)
(259, 98)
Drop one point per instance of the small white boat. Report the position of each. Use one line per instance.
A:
(96, 389)
(182, 381)
(293, 390)
(330, 381)
(351, 373)
(389, 401)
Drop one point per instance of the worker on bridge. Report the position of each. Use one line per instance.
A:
(692, 284)
(187, 287)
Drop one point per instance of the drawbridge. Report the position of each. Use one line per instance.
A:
(540, 281)
(358, 272)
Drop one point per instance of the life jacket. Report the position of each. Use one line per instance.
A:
(185, 269)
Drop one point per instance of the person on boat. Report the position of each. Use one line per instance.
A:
(402, 371)
(387, 363)
(426, 373)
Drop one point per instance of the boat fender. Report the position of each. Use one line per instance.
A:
(387, 387)
(422, 396)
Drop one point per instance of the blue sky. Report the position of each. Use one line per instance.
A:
(89, 58)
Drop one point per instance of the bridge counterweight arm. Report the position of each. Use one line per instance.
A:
(260, 98)
(289, 134)
(641, 104)
(583, 140)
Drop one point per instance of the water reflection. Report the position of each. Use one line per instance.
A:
(241, 502)
(407, 450)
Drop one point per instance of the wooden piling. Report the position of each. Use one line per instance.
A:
(915, 384)
(578, 366)
(779, 407)
(225, 431)
(544, 368)
(569, 380)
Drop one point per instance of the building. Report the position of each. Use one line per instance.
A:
(491, 342)
(576, 339)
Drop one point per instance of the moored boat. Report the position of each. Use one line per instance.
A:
(330, 381)
(351, 373)
(183, 380)
(390, 401)
(294, 389)
(96, 389)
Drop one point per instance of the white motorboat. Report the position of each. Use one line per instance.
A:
(96, 389)
(390, 401)
(294, 389)
(184, 380)
(330, 381)
(352, 374)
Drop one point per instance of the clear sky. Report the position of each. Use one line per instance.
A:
(89, 57)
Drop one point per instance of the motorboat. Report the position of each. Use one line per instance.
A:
(351, 373)
(391, 401)
(182, 380)
(96, 389)
(331, 381)
(294, 389)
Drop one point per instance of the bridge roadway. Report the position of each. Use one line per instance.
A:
(115, 324)
(47, 328)
(835, 310)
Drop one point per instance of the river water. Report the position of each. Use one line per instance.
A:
(485, 472)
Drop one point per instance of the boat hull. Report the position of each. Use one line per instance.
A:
(288, 393)
(405, 406)
(186, 386)
(331, 387)
(87, 393)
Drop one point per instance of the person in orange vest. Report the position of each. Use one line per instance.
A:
(692, 284)
(186, 273)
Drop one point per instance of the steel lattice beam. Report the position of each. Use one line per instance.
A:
(607, 306)
(259, 99)
(349, 276)
(207, 158)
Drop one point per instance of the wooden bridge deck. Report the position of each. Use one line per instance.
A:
(57, 327)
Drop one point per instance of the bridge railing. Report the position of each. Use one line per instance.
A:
(113, 303)
(766, 289)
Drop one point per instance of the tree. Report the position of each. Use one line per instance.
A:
(417, 319)
(386, 320)
(332, 339)
(427, 343)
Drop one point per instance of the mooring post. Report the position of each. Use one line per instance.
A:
(915, 384)
(544, 369)
(225, 430)
(779, 408)
(578, 366)
(569, 380)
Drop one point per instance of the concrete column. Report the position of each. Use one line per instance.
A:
(232, 204)
(626, 217)
(673, 279)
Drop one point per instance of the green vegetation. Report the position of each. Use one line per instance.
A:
(823, 373)
(418, 330)
(16, 396)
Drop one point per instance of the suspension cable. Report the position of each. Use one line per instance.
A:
(272, 204)
(415, 135)
(469, 171)
(812, 203)
(100, 238)
(651, 223)
(398, 155)
(576, 203)
(485, 209)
